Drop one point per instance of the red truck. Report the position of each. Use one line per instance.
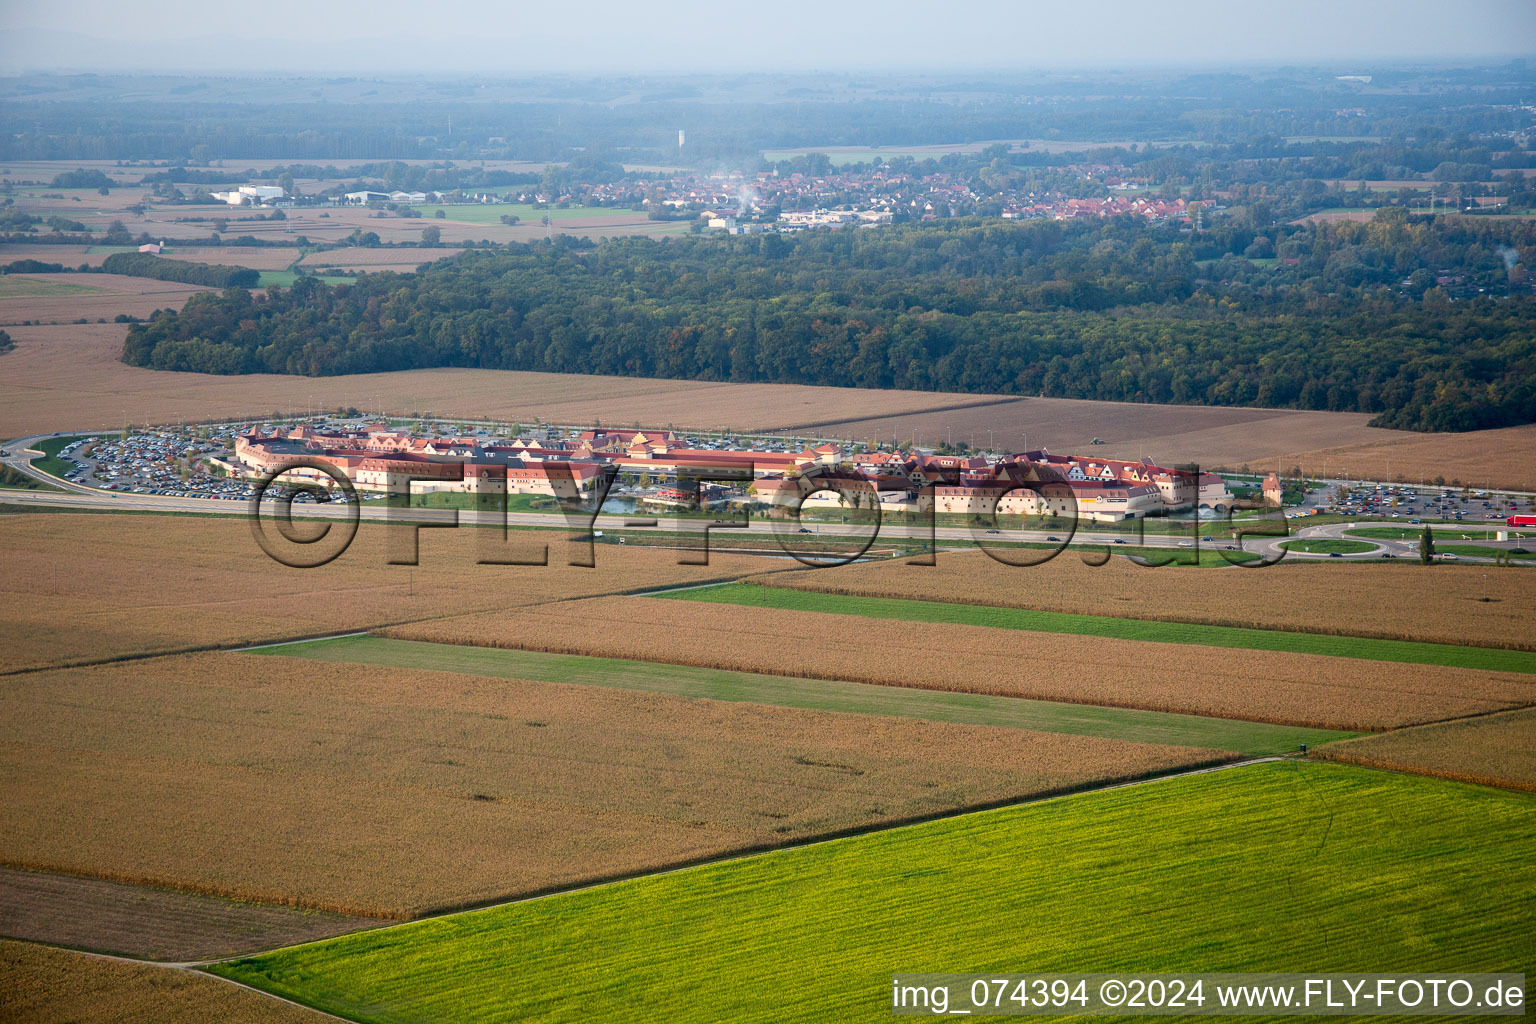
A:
(1520, 521)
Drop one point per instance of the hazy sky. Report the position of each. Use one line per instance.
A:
(595, 36)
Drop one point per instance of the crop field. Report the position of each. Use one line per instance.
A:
(59, 986)
(1260, 850)
(1494, 750)
(337, 787)
(1217, 734)
(89, 587)
(1221, 436)
(49, 298)
(151, 924)
(1491, 658)
(398, 258)
(1443, 605)
(285, 279)
(1267, 686)
(56, 378)
(16, 286)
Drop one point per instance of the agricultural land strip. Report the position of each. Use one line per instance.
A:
(151, 924)
(339, 787)
(1281, 687)
(1492, 750)
(1259, 849)
(1249, 738)
(1491, 658)
(1434, 604)
(82, 588)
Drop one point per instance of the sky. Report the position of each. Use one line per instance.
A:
(588, 37)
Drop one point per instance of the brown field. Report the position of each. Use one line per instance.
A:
(71, 377)
(254, 257)
(366, 260)
(1495, 750)
(344, 788)
(68, 255)
(1220, 436)
(1440, 604)
(152, 924)
(89, 587)
(136, 296)
(59, 986)
(1265, 686)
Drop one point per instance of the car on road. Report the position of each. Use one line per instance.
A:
(994, 531)
(1186, 543)
(1119, 540)
(804, 530)
(1056, 539)
(1334, 554)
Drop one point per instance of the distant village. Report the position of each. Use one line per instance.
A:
(737, 202)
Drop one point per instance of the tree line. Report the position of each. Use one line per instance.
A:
(143, 264)
(1426, 324)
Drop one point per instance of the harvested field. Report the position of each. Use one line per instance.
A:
(251, 256)
(1266, 686)
(1439, 604)
(16, 286)
(1247, 738)
(341, 787)
(67, 255)
(88, 587)
(71, 377)
(111, 294)
(1494, 750)
(152, 924)
(1222, 436)
(59, 986)
(368, 260)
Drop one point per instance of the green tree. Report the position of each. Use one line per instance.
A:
(1427, 546)
(431, 236)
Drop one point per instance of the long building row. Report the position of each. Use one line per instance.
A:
(380, 460)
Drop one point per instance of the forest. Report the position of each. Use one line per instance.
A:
(1428, 324)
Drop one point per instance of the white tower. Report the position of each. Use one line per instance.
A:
(682, 137)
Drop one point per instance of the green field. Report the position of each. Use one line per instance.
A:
(1327, 545)
(1417, 532)
(1268, 867)
(1481, 551)
(285, 279)
(13, 287)
(753, 595)
(492, 213)
(821, 695)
